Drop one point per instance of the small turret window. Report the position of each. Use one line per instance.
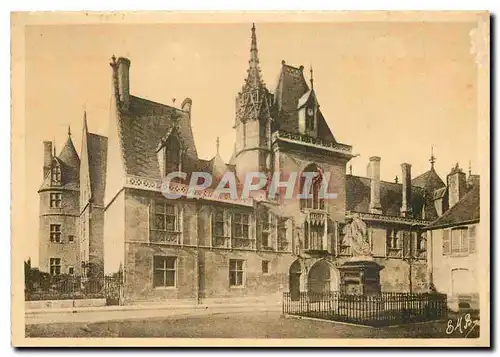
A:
(55, 200)
(56, 174)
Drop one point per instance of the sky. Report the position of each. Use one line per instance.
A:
(392, 90)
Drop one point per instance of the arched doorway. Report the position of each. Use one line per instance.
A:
(294, 280)
(322, 278)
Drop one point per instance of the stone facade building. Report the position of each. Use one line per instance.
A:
(202, 247)
(71, 207)
(453, 254)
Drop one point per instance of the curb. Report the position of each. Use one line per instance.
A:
(35, 312)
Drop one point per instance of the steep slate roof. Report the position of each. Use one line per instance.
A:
(464, 211)
(291, 87)
(358, 196)
(143, 126)
(97, 147)
(429, 180)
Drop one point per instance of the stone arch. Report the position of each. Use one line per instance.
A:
(323, 277)
(296, 276)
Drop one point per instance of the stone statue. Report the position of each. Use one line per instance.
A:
(356, 235)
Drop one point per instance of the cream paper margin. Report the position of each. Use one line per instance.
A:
(480, 40)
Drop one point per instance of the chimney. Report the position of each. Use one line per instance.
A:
(123, 68)
(186, 105)
(374, 174)
(456, 185)
(406, 209)
(47, 157)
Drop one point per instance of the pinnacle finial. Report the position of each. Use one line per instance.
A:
(69, 130)
(312, 78)
(396, 179)
(432, 160)
(217, 143)
(54, 141)
(470, 168)
(350, 170)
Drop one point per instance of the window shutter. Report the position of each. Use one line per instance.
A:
(446, 242)
(472, 239)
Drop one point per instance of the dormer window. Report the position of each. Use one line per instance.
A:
(56, 174)
(173, 155)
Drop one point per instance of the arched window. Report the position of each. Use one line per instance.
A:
(314, 201)
(172, 155)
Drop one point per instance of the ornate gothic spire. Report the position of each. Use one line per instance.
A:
(254, 79)
(254, 101)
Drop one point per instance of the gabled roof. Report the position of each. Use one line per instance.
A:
(305, 98)
(358, 196)
(439, 193)
(292, 92)
(143, 126)
(467, 210)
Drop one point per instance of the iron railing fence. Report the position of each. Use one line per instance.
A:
(72, 287)
(374, 310)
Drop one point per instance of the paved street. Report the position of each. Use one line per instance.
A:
(234, 325)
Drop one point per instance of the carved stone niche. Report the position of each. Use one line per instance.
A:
(361, 277)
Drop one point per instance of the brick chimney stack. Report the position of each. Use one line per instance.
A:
(374, 174)
(456, 185)
(406, 208)
(47, 157)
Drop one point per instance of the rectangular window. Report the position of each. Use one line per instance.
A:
(236, 272)
(71, 238)
(56, 174)
(55, 266)
(55, 233)
(459, 241)
(241, 225)
(55, 200)
(282, 240)
(265, 267)
(166, 217)
(219, 224)
(71, 270)
(164, 271)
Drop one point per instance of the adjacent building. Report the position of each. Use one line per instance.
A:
(71, 207)
(203, 248)
(453, 241)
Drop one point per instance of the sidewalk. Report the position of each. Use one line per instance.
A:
(142, 311)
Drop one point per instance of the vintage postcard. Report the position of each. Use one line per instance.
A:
(251, 179)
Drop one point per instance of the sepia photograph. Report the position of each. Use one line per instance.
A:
(251, 179)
